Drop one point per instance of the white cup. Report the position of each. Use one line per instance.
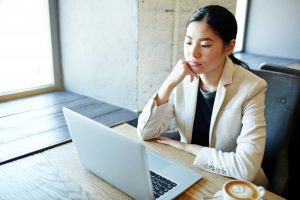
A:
(242, 190)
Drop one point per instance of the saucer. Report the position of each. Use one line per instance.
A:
(218, 195)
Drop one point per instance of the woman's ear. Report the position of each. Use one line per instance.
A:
(230, 47)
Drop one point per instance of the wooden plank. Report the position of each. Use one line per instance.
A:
(96, 109)
(35, 129)
(30, 145)
(36, 178)
(49, 121)
(36, 102)
(13, 120)
(117, 117)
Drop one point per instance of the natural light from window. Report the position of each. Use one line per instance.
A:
(240, 15)
(25, 46)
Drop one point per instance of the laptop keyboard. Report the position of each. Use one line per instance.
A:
(160, 184)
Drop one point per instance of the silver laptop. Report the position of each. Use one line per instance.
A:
(124, 163)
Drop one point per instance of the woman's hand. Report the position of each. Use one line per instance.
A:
(180, 71)
(173, 143)
(190, 148)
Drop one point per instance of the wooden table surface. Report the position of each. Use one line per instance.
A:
(58, 174)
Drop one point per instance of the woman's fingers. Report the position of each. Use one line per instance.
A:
(189, 71)
(181, 70)
(170, 142)
(163, 140)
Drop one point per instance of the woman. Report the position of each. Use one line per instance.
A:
(218, 105)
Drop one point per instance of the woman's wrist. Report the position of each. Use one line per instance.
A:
(164, 93)
(192, 149)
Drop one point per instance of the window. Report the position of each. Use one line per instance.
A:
(28, 60)
(240, 14)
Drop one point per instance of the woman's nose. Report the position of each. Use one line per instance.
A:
(195, 51)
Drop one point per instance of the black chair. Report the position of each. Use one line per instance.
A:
(279, 68)
(282, 109)
(294, 146)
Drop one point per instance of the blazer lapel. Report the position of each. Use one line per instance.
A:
(226, 78)
(190, 108)
(221, 91)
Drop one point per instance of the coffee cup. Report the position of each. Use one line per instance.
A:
(242, 190)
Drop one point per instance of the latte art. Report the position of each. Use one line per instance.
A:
(241, 190)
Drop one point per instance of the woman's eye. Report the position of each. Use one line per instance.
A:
(188, 43)
(205, 45)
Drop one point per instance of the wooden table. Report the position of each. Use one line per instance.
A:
(58, 174)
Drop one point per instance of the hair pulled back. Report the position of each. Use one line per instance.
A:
(222, 22)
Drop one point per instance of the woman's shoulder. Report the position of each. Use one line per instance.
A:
(247, 76)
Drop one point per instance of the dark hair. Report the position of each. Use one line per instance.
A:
(222, 22)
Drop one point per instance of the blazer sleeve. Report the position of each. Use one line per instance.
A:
(154, 119)
(244, 162)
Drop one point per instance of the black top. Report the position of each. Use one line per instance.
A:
(205, 103)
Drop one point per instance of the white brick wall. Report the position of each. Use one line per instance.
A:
(121, 51)
(156, 26)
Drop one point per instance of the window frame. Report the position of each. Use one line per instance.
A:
(242, 10)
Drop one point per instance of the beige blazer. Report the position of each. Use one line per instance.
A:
(237, 132)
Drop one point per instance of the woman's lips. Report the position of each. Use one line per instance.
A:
(194, 64)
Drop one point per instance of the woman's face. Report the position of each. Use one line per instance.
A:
(204, 50)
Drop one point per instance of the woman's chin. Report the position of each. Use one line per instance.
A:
(197, 69)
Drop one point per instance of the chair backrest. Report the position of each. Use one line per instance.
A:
(279, 68)
(282, 107)
(294, 146)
